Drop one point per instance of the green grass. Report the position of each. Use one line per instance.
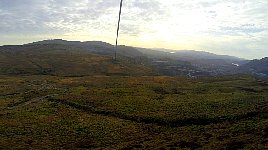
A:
(108, 112)
(62, 60)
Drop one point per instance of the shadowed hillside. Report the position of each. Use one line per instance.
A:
(97, 47)
(74, 58)
(64, 60)
(259, 67)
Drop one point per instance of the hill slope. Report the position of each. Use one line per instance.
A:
(97, 47)
(74, 58)
(187, 55)
(64, 60)
(210, 63)
(256, 66)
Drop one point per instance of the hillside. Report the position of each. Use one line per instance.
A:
(257, 66)
(75, 58)
(97, 47)
(187, 55)
(208, 63)
(59, 94)
(111, 112)
(64, 60)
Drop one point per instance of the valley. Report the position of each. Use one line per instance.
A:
(73, 58)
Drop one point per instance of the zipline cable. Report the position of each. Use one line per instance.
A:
(118, 27)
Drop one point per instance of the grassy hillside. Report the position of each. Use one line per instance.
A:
(101, 112)
(74, 58)
(75, 96)
(257, 66)
(64, 60)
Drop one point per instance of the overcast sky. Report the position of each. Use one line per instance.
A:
(232, 27)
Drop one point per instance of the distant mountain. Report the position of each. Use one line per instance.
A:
(75, 58)
(62, 58)
(259, 67)
(108, 49)
(206, 62)
(97, 47)
(65, 42)
(193, 55)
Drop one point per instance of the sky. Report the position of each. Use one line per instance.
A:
(230, 27)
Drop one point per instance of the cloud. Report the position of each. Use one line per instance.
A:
(24, 17)
(51, 16)
(242, 29)
(184, 22)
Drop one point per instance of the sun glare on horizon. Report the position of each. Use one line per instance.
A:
(237, 28)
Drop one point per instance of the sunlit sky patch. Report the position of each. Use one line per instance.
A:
(232, 27)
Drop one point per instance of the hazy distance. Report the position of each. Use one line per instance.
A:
(238, 28)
